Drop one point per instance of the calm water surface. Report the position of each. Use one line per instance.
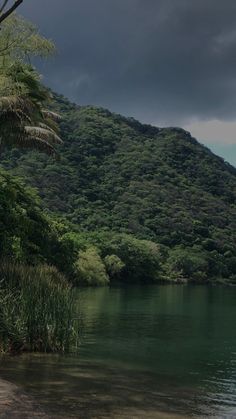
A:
(145, 352)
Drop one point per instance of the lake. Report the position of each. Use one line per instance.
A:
(145, 352)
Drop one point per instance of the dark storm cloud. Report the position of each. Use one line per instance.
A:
(159, 60)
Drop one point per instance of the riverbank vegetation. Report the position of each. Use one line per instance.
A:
(37, 310)
(139, 203)
(37, 307)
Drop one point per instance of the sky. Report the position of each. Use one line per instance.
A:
(164, 62)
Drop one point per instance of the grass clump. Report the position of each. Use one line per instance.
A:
(37, 310)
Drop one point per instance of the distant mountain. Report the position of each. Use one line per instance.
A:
(118, 174)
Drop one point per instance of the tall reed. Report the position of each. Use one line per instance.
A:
(37, 310)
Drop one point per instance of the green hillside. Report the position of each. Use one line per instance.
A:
(157, 184)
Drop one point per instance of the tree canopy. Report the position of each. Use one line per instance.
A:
(158, 185)
(6, 9)
(24, 122)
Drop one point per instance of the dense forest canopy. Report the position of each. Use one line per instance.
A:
(116, 174)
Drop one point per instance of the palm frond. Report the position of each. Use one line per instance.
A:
(33, 142)
(46, 124)
(53, 125)
(23, 120)
(43, 133)
(14, 103)
(8, 103)
(51, 115)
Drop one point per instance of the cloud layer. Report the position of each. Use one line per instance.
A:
(162, 61)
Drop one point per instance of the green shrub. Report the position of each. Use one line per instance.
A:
(114, 266)
(188, 263)
(140, 258)
(90, 269)
(25, 232)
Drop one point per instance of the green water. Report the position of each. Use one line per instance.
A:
(145, 352)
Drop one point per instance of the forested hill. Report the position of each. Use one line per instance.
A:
(118, 174)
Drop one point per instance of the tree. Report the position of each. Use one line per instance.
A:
(23, 120)
(114, 266)
(90, 268)
(6, 12)
(187, 263)
(20, 40)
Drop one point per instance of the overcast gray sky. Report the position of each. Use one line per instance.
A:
(165, 62)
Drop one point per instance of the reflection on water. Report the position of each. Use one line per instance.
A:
(152, 352)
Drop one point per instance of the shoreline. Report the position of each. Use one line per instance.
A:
(15, 404)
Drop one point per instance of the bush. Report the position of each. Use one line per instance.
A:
(139, 259)
(188, 263)
(24, 230)
(114, 266)
(90, 269)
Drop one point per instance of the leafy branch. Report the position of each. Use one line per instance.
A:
(7, 13)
